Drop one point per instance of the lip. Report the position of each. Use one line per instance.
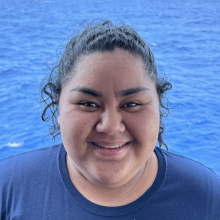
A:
(112, 143)
(109, 146)
(114, 148)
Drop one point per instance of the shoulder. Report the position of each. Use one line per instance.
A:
(26, 176)
(28, 161)
(190, 184)
(183, 166)
(30, 155)
(27, 169)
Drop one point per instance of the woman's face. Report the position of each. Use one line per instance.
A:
(109, 117)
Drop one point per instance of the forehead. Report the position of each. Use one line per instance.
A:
(106, 70)
(114, 59)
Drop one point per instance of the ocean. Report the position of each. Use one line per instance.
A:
(185, 39)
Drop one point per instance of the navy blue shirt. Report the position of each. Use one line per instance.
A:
(36, 185)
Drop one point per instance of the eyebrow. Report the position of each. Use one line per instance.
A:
(131, 91)
(122, 93)
(88, 91)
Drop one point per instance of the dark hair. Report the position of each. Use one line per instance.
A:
(101, 37)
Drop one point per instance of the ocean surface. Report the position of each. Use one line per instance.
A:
(185, 39)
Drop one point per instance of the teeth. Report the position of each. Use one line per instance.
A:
(109, 147)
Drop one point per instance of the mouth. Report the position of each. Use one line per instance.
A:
(109, 146)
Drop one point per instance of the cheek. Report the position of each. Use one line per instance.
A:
(74, 132)
(144, 127)
(76, 127)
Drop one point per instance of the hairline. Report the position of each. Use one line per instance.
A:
(72, 72)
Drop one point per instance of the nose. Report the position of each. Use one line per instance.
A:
(111, 122)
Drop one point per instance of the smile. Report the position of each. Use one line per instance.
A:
(109, 147)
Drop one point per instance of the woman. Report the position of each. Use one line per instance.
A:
(109, 101)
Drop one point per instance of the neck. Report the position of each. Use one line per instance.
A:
(115, 195)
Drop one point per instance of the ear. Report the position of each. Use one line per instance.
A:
(58, 120)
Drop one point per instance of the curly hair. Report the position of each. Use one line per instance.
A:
(100, 37)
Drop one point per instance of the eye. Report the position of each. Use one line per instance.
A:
(88, 104)
(131, 104)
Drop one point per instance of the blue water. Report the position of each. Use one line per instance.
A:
(184, 36)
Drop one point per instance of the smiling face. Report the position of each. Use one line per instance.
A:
(109, 118)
